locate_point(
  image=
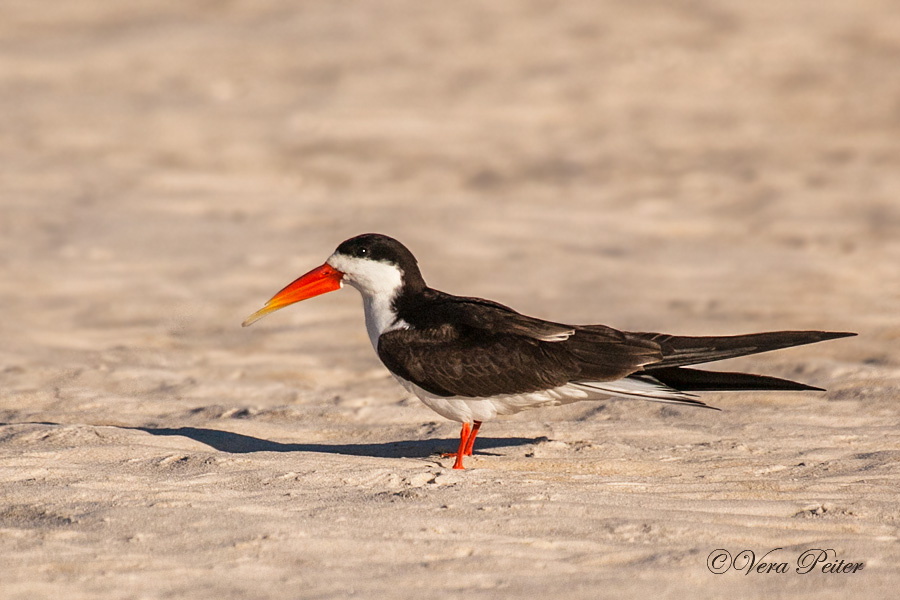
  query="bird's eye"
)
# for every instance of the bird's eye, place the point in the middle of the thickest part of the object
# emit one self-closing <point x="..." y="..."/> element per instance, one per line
<point x="362" y="251"/>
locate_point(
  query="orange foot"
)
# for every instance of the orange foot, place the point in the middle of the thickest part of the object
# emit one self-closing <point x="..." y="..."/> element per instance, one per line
<point x="466" y="441"/>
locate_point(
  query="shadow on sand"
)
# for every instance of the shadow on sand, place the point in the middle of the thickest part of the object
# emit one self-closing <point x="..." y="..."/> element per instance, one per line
<point x="236" y="443"/>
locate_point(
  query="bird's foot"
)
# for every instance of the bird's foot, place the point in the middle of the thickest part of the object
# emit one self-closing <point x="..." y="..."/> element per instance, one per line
<point x="459" y="458"/>
<point x="458" y="464"/>
<point x="466" y="441"/>
<point x="454" y="454"/>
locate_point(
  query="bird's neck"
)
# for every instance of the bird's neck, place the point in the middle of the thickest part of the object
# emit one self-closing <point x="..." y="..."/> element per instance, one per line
<point x="381" y="316"/>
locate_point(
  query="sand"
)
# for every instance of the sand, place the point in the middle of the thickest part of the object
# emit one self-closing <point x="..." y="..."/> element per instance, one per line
<point x="691" y="167"/>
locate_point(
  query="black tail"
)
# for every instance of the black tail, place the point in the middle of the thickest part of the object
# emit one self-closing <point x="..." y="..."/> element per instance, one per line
<point x="680" y="351"/>
<point x="695" y="380"/>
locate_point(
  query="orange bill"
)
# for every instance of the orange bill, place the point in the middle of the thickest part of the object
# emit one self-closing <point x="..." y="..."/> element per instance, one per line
<point x="318" y="281"/>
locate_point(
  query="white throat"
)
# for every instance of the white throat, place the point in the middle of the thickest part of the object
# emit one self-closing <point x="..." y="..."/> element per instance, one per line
<point x="379" y="283"/>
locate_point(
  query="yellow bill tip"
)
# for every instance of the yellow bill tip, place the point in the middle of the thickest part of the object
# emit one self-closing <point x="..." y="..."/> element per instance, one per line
<point x="258" y="315"/>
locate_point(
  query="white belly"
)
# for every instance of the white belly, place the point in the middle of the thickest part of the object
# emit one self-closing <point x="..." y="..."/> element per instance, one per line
<point x="467" y="410"/>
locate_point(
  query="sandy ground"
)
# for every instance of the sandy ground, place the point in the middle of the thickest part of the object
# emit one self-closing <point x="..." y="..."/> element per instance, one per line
<point x="694" y="167"/>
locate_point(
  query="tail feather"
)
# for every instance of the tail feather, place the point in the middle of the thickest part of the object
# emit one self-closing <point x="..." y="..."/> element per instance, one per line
<point x="679" y="351"/>
<point x="695" y="380"/>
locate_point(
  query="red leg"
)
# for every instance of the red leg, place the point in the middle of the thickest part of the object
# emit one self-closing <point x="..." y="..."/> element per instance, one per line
<point x="464" y="435"/>
<point x="471" y="442"/>
<point x="463" y="440"/>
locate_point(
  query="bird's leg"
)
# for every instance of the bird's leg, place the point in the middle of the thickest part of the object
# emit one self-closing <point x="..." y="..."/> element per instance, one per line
<point x="464" y="436"/>
<point x="471" y="442"/>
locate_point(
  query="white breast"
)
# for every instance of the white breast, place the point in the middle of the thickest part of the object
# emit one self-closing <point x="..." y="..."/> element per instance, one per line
<point x="380" y="318"/>
<point x="379" y="283"/>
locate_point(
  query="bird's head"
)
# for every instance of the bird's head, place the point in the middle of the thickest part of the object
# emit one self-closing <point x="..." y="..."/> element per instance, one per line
<point x="375" y="264"/>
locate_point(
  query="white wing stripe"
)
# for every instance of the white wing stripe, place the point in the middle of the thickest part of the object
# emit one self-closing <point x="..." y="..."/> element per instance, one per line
<point x="635" y="388"/>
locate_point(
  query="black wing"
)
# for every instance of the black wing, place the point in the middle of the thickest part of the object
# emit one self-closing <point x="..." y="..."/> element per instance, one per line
<point x="443" y="363"/>
<point x="475" y="348"/>
<point x="471" y="347"/>
<point x="486" y="317"/>
<point x="679" y="351"/>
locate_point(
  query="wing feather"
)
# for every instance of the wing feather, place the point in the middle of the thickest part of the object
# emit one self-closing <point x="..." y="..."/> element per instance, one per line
<point x="679" y="351"/>
<point x="498" y="364"/>
<point x="477" y="348"/>
<point x="493" y="317"/>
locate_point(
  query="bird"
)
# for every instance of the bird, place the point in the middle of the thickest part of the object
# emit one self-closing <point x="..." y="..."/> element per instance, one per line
<point x="472" y="360"/>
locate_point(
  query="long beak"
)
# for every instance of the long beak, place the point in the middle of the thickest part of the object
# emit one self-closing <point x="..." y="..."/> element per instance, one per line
<point x="318" y="281"/>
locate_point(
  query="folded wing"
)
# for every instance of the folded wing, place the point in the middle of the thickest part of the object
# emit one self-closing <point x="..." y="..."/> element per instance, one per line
<point x="471" y="347"/>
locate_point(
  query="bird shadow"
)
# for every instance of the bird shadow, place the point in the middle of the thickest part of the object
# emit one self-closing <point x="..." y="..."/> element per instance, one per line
<point x="238" y="443"/>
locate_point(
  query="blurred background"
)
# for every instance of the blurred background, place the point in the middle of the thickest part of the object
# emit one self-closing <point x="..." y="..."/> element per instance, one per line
<point x="686" y="166"/>
<point x="691" y="166"/>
